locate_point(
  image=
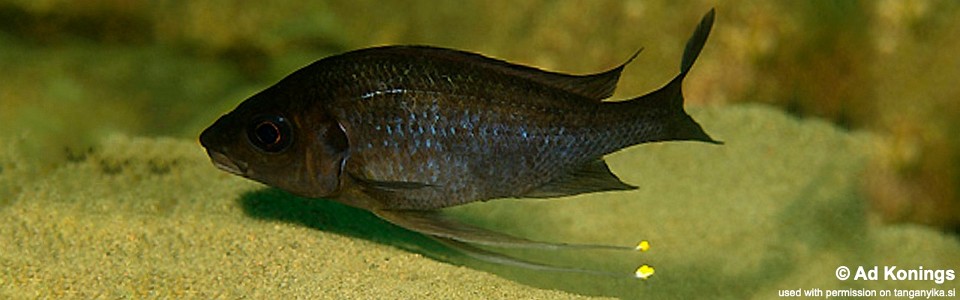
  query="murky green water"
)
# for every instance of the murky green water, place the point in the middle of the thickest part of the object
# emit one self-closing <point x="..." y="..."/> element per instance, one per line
<point x="101" y="103"/>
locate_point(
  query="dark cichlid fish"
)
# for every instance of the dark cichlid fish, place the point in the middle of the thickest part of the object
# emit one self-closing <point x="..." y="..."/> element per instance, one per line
<point x="405" y="130"/>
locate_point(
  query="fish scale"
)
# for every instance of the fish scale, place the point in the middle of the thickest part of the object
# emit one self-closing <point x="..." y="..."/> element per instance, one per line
<point x="461" y="155"/>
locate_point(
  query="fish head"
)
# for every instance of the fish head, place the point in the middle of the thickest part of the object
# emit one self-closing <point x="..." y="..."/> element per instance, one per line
<point x="279" y="138"/>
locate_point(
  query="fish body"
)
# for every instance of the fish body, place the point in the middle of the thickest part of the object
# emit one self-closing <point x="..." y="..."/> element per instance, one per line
<point x="418" y="127"/>
<point x="414" y="129"/>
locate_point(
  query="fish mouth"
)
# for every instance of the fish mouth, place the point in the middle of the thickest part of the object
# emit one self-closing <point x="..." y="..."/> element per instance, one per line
<point x="222" y="162"/>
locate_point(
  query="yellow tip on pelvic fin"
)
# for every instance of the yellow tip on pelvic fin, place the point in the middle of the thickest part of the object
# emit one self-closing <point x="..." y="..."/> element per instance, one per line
<point x="644" y="272"/>
<point x="643" y="246"/>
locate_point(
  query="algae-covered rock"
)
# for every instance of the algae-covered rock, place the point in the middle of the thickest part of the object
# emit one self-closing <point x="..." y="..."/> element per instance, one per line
<point x="776" y="207"/>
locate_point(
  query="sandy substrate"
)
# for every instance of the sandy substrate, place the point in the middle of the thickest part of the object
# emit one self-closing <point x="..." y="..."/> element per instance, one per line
<point x="777" y="207"/>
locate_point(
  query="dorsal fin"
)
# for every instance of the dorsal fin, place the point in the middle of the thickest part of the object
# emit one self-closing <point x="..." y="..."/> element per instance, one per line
<point x="591" y="177"/>
<point x="597" y="86"/>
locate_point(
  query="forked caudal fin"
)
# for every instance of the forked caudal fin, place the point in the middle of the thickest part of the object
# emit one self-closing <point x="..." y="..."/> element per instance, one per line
<point x="696" y="42"/>
<point x="666" y="103"/>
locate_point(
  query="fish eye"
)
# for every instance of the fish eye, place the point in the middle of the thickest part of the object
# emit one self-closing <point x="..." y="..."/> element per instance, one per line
<point x="270" y="133"/>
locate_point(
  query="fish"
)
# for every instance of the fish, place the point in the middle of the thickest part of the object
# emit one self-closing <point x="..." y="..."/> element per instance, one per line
<point x="405" y="131"/>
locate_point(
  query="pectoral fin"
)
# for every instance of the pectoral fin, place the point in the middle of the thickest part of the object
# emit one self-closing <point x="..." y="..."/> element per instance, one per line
<point x="592" y="177"/>
<point x="389" y="186"/>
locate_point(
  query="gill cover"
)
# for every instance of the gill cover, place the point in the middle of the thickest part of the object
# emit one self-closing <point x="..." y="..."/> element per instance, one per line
<point x="325" y="157"/>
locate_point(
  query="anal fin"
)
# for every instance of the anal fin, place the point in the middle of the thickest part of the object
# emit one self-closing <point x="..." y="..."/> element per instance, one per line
<point x="591" y="177"/>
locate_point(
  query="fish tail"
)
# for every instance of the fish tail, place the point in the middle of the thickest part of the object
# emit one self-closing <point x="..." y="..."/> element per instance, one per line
<point x="696" y="42"/>
<point x="663" y="108"/>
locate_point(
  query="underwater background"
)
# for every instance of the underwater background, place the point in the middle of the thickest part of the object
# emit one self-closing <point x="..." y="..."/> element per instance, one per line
<point x="839" y="117"/>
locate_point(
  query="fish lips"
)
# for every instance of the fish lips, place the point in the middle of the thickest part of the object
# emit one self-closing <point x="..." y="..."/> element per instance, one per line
<point x="212" y="140"/>
<point x="223" y="162"/>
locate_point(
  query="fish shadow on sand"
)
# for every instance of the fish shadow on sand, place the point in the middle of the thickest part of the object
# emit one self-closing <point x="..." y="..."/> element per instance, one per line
<point x="329" y="216"/>
<point x="272" y="204"/>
